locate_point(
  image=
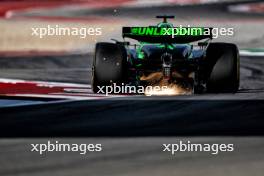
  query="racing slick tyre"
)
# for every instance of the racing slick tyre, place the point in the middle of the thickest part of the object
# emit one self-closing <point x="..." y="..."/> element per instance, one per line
<point x="109" y="65"/>
<point x="225" y="68"/>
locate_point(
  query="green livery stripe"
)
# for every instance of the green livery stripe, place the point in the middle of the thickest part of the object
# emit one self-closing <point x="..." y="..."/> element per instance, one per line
<point x="177" y="31"/>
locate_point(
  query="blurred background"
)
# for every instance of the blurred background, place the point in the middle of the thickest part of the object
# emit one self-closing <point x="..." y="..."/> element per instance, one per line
<point x="18" y="17"/>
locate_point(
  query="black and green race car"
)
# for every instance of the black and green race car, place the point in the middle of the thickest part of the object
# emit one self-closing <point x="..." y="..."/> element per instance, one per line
<point x="183" y="55"/>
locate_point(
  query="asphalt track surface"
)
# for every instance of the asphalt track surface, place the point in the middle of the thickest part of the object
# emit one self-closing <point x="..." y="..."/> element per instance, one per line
<point x="209" y="114"/>
<point x="236" y="115"/>
<point x="212" y="115"/>
<point x="133" y="156"/>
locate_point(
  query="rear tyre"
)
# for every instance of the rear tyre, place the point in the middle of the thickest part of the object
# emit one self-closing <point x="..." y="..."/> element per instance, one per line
<point x="225" y="70"/>
<point x="109" y="65"/>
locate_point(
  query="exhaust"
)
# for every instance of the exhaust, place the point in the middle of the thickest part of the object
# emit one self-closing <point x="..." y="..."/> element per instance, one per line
<point x="166" y="65"/>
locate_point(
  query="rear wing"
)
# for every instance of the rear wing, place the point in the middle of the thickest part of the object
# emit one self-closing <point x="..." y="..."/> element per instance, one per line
<point x="153" y="34"/>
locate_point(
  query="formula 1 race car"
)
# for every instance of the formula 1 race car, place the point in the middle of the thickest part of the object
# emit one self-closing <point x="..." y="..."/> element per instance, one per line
<point x="183" y="55"/>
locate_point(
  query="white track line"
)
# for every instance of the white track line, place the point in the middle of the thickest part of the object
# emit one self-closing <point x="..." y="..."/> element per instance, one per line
<point x="45" y="83"/>
<point x="54" y="96"/>
<point x="250" y="53"/>
<point x="71" y="90"/>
